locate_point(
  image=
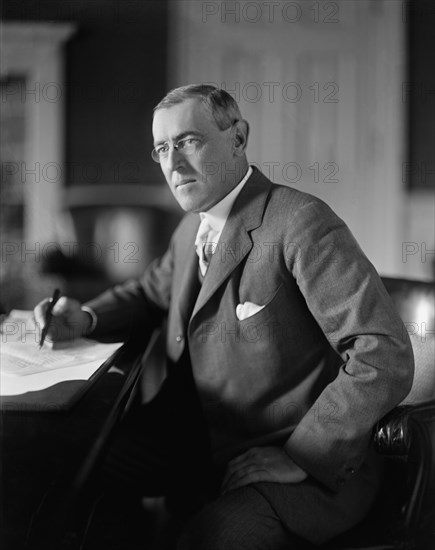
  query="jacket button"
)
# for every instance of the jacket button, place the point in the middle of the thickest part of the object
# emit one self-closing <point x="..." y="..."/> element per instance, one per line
<point x="350" y="471"/>
<point x="179" y="338"/>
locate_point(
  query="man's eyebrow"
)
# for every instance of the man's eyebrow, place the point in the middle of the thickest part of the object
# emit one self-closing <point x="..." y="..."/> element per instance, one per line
<point x="181" y="136"/>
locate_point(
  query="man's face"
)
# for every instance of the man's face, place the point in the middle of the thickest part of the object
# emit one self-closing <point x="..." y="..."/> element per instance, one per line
<point x="200" y="180"/>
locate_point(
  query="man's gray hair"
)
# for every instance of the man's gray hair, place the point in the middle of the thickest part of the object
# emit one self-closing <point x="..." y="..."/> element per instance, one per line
<point x="222" y="106"/>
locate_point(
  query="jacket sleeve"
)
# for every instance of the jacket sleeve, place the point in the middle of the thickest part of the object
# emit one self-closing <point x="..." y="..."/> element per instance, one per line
<point x="348" y="300"/>
<point x="138" y="302"/>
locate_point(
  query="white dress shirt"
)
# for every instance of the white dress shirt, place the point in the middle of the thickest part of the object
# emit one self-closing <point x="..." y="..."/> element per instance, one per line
<point x="218" y="214"/>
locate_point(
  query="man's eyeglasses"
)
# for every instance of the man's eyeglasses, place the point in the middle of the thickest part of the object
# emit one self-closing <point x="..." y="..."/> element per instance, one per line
<point x="186" y="146"/>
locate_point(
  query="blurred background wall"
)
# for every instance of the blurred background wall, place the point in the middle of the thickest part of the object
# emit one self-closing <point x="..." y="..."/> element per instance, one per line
<point x="326" y="87"/>
<point x="339" y="96"/>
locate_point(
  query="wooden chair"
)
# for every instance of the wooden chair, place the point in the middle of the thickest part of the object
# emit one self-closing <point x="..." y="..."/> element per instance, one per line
<point x="403" y="517"/>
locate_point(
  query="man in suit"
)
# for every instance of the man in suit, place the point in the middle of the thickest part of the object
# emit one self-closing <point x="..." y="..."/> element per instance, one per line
<point x="283" y="347"/>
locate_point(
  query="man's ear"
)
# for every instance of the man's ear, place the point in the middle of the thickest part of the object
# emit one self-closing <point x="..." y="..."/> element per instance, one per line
<point x="241" y="135"/>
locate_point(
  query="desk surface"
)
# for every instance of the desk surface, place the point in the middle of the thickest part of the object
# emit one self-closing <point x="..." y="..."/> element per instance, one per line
<point x="48" y="458"/>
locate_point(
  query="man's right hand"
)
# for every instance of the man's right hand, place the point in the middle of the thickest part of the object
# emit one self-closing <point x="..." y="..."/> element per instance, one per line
<point x="69" y="321"/>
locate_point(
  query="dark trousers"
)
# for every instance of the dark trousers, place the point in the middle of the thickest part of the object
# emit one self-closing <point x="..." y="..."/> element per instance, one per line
<point x="162" y="448"/>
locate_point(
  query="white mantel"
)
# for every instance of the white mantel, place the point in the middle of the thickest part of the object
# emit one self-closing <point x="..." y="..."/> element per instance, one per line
<point x="34" y="51"/>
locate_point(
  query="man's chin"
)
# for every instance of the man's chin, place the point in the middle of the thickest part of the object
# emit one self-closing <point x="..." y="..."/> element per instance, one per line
<point x="187" y="204"/>
<point x="186" y="199"/>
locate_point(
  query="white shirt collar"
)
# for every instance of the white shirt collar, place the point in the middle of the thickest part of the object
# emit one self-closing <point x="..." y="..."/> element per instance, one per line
<point x="217" y="215"/>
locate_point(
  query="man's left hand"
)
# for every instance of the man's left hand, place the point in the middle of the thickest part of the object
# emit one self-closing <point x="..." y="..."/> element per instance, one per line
<point x="261" y="464"/>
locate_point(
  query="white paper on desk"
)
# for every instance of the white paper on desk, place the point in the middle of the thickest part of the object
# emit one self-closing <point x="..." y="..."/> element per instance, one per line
<point x="24" y="367"/>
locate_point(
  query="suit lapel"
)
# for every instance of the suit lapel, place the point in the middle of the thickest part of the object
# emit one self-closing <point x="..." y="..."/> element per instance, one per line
<point x="235" y="241"/>
<point x="188" y="287"/>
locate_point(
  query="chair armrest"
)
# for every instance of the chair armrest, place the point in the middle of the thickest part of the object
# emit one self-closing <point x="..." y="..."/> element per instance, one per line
<point x="408" y="432"/>
<point x="392" y="435"/>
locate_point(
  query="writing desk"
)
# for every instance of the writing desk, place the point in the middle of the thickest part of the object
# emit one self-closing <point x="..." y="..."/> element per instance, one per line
<point x="49" y="457"/>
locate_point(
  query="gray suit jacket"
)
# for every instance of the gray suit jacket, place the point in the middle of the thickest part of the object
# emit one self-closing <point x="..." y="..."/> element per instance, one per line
<point x="325" y="358"/>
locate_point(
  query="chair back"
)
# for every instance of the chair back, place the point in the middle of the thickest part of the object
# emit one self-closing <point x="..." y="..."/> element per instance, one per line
<point x="415" y="302"/>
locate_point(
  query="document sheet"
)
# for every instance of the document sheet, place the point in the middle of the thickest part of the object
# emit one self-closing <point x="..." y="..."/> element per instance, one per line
<point x="25" y="368"/>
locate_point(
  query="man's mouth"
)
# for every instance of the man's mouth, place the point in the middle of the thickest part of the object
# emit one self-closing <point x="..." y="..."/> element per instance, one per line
<point x="184" y="182"/>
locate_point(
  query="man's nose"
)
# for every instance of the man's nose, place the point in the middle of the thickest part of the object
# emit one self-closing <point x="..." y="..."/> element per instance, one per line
<point x="175" y="159"/>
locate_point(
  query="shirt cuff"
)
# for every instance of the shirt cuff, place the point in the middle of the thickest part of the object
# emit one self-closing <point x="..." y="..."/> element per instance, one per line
<point x="94" y="318"/>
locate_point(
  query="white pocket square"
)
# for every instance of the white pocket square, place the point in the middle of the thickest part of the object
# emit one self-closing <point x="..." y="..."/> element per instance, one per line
<point x="248" y="309"/>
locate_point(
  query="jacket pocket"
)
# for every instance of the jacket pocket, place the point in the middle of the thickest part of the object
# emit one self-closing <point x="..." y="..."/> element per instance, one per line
<point x="268" y="309"/>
